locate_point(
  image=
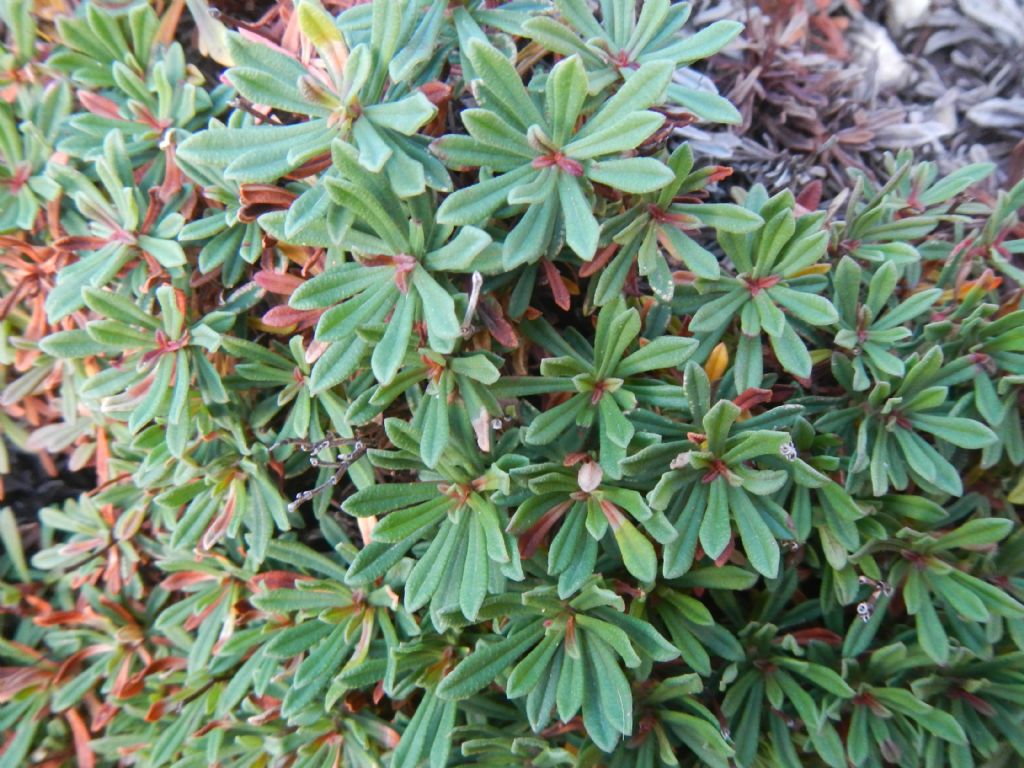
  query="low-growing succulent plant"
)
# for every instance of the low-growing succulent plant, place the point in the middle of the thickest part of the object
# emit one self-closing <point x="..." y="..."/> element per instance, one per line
<point x="443" y="407"/>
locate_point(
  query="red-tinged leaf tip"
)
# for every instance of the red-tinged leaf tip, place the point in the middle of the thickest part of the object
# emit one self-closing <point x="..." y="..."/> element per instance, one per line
<point x="100" y="105"/>
<point x="84" y="754"/>
<point x="723" y="558"/>
<point x="283" y="316"/>
<point x="560" y="161"/>
<point x="612" y="514"/>
<point x="752" y="397"/>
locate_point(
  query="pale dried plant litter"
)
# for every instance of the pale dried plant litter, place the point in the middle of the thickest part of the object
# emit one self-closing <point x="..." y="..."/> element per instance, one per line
<point x="826" y="85"/>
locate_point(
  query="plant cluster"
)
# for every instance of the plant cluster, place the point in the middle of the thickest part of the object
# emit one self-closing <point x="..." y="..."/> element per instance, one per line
<point x="445" y="409"/>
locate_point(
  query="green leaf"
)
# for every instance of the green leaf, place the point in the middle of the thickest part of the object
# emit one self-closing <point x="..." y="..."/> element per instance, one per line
<point x="74" y="344"/>
<point x="979" y="532"/>
<point x="930" y="634"/>
<point x="705" y="104"/>
<point x="754" y="443"/>
<point x="527" y="673"/>
<point x="718" y="423"/>
<point x="378" y="499"/>
<point x="726" y="577"/>
<point x="644" y="87"/>
<point x="821" y="676"/>
<point x="715" y="530"/>
<point x="291" y="600"/>
<point x="390" y="352"/>
<point x="637" y="552"/>
<point x="335" y="365"/>
<point x="473" y="589"/>
<point x="581" y="228"/>
<point x="791" y="352"/>
<point x="436" y="428"/>
<point x="710" y="40"/>
<point x="642" y="633"/>
<point x="438" y="310"/>
<point x="404" y="523"/>
<point x="813" y="310"/>
<point x="427" y="737"/>
<point x="503" y="83"/>
<point x="716" y="314"/>
<point x="564" y="94"/>
<point x="167" y="252"/>
<point x="406" y="115"/>
<point x="615" y="139"/>
<point x="458" y="254"/>
<point x="459" y="151"/>
<point x="965" y="433"/>
<point x="637" y="175"/>
<point x="724" y="217"/>
<point x="615" y="427"/>
<point x="300" y="556"/>
<point x="19" y="743"/>
<point x="335" y="285"/>
<point x="265" y="88"/>
<point x="117" y="335"/>
<point x="995" y="599"/>
<point x="607" y="700"/>
<point x="551" y="423"/>
<point x="612" y="635"/>
<point x="476" y="367"/>
<point x="697" y="258"/>
<point x="955" y="183"/>
<point x="116" y="307"/>
<point x="759" y="544"/>
<point x="170" y="739"/>
<point x="487" y="661"/>
<point x="426" y="575"/>
<point x="476" y="203"/>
